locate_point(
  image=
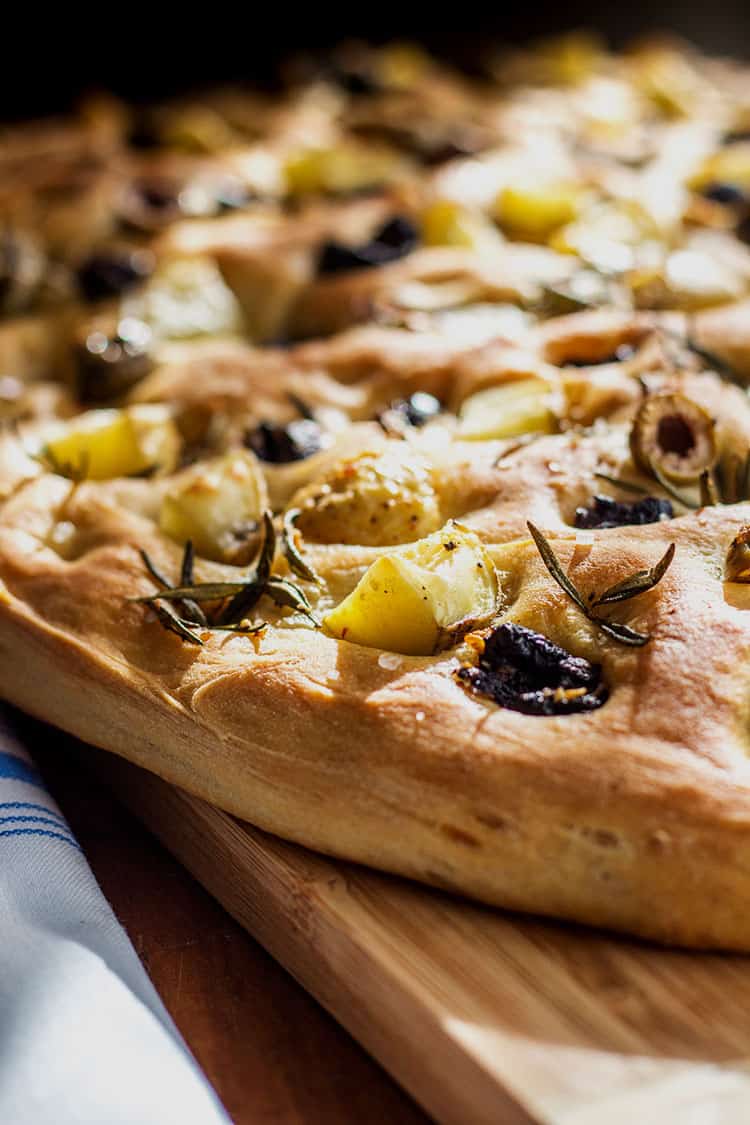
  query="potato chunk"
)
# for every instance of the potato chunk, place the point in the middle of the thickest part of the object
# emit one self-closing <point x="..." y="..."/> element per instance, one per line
<point x="216" y="504"/>
<point x="446" y="223"/>
<point x="534" y="211"/>
<point x="341" y="169"/>
<point x="102" y="444"/>
<point x="411" y="600"/>
<point x="374" y="499"/>
<point x="522" y="407"/>
<point x="187" y="298"/>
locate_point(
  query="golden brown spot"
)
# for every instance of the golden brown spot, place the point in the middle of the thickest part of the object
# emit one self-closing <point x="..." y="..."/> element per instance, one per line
<point x="491" y="820"/>
<point x="459" y="836"/>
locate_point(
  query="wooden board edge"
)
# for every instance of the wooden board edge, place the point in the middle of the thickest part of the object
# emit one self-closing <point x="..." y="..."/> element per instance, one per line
<point x="284" y="905"/>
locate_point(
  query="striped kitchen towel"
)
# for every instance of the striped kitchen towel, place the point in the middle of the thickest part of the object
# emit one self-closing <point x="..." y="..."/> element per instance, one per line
<point x="84" y="1038"/>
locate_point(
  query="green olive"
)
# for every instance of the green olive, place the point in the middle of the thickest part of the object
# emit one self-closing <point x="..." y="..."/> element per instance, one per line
<point x="673" y="435"/>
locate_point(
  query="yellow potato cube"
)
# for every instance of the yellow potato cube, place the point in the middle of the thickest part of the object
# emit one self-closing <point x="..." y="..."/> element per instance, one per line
<point x="446" y="223"/>
<point x="572" y="57"/>
<point x="522" y="407"/>
<point x="103" y="444"/>
<point x="411" y="600"/>
<point x="729" y="165"/>
<point x="186" y="298"/>
<point x="216" y="504"/>
<point x="605" y="236"/>
<point x="402" y="65"/>
<point x="696" y="280"/>
<point x="535" y="210"/>
<point x="667" y="78"/>
<point x="342" y="169"/>
<point x="377" y="498"/>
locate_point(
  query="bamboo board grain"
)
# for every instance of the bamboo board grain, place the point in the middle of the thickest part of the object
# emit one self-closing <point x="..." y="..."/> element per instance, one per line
<point x="486" y="1018"/>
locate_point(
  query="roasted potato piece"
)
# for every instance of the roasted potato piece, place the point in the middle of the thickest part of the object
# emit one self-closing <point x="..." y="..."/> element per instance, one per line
<point x="374" y="499"/>
<point x="103" y="444"/>
<point x="534" y="211"/>
<point x="341" y="169"/>
<point x="521" y="407"/>
<point x="217" y="504"/>
<point x="411" y="600"/>
<point x="447" y="223"/>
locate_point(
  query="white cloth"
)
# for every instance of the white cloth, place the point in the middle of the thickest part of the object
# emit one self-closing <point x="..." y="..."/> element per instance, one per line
<point x="84" y="1038"/>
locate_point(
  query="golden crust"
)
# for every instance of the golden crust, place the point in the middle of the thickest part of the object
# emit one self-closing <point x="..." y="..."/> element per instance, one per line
<point x="634" y="816"/>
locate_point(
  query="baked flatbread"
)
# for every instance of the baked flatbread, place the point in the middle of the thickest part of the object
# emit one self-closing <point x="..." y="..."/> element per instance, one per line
<point x="376" y="466"/>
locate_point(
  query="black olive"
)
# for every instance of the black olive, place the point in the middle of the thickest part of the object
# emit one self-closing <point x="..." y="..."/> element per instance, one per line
<point x="109" y="365"/>
<point x="395" y="239"/>
<point x="280" y="444"/>
<point x="112" y="272"/>
<point x="417" y="410"/>
<point x="524" y="671"/>
<point x="728" y="194"/>
<point x="605" y="512"/>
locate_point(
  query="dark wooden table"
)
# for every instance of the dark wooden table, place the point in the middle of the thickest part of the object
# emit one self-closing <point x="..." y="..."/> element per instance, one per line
<point x="272" y="1053"/>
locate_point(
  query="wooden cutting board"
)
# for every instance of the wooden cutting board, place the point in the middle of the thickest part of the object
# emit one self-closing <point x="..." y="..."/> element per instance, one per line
<point x="486" y="1018"/>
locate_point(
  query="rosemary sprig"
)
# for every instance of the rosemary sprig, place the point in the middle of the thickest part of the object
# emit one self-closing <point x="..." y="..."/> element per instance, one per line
<point x="727" y="482"/>
<point x="175" y="624"/>
<point x="661" y="480"/>
<point x="712" y="361"/>
<point x="191" y="610"/>
<point x="291" y="551"/>
<point x="630" y="587"/>
<point x="285" y="593"/>
<point x="636" y="583"/>
<point x="232" y="600"/>
<point x="282" y="592"/>
<point x="202" y="592"/>
<point x="671" y="491"/>
<point x="550" y="560"/>
<point x="248" y="597"/>
<point x="724" y="370"/>
<point x="625" y="485"/>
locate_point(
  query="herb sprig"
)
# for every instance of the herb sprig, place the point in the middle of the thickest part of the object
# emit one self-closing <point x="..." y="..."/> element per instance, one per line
<point x="180" y="608"/>
<point x="290" y="548"/>
<point x="728" y="482"/>
<point x="629" y="587"/>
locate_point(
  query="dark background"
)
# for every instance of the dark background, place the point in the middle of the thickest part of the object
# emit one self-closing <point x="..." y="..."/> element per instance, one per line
<point x="140" y="51"/>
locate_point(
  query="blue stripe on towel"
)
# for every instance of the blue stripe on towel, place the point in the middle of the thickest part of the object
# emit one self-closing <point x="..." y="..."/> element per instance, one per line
<point x="16" y="769"/>
<point x="33" y="819"/>
<point x="37" y="808"/>
<point x="40" y="832"/>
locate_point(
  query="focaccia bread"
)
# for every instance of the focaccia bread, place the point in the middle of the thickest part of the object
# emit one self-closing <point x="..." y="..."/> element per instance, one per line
<point x="375" y="464"/>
